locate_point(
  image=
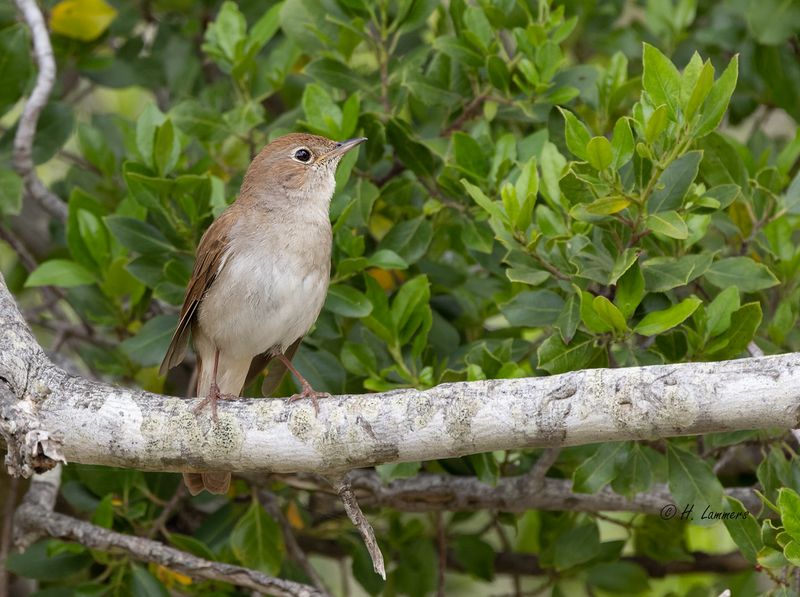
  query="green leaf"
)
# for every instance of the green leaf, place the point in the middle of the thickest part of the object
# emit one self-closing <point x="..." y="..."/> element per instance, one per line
<point x="660" y="321"/>
<point x="630" y="291"/>
<point x="10" y="191"/>
<point x="744" y="325"/>
<point x="192" y="545"/>
<point x="701" y="89"/>
<point x="590" y="319"/>
<point x="37" y="563"/>
<point x="719" y="311"/>
<point x="166" y="148"/>
<point x="475" y="556"/>
<point x="609" y="314"/>
<point x="661" y="80"/>
<point x="137" y="235"/>
<point x="622" y="143"/>
<point x="527" y="275"/>
<point x="552" y="165"/>
<point x="577" y="135"/>
<point x="656" y="124"/>
<point x="263" y="30"/>
<point x="146" y="126"/>
<point x="148" y="347"/>
<point x="674" y="183"/>
<point x="789" y="504"/>
<point x="498" y="73"/>
<point x="60" y="272"/>
<point x="489" y="206"/>
<point x="347" y="301"/>
<point x="742" y="272"/>
<point x="576" y="546"/>
<point x="399" y="470"/>
<point x="225" y="36"/>
<point x="15" y="65"/>
<point x="485" y="467"/>
<point x="469" y="156"/>
<point x="533" y="308"/>
<point x="557" y="357"/>
<point x="419" y="159"/>
<point x="619" y="578"/>
<point x="412" y="295"/>
<point x="322" y="113"/>
<point x="408" y="239"/>
<point x="387" y="259"/>
<point x="744" y="530"/>
<point x="664" y="273"/>
<point x="668" y="223"/>
<point x="718" y="98"/>
<point x="569" y="318"/>
<point x="144" y="584"/>
<point x="634" y="472"/>
<point x="599" y="153"/>
<point x="692" y="482"/>
<point x="257" y="541"/>
<point x="600" y="468"/>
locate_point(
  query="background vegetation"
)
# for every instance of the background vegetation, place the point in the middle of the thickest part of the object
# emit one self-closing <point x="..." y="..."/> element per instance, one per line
<point x="544" y="189"/>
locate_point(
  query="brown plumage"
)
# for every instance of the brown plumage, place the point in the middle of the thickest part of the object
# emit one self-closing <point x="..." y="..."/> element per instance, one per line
<point x="260" y="277"/>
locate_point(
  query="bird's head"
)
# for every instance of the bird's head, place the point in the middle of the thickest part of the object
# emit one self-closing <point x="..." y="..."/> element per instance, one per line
<point x="298" y="166"/>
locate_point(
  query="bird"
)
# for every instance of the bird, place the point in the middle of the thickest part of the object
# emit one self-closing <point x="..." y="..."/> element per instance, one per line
<point x="260" y="278"/>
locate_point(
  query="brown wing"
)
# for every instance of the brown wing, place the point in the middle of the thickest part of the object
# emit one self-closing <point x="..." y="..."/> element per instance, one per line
<point x="276" y="368"/>
<point x="206" y="267"/>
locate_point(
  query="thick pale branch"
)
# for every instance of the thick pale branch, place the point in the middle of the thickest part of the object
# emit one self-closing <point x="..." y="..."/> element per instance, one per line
<point x="98" y="423"/>
<point x="26" y="128"/>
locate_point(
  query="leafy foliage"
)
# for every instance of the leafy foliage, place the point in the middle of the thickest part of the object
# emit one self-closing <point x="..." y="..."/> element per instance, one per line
<point x="545" y="189"/>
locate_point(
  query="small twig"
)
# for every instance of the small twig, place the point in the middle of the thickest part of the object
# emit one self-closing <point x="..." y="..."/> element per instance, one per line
<point x="169" y="509"/>
<point x="26" y="129"/>
<point x="35" y="518"/>
<point x="361" y="523"/>
<point x="539" y="470"/>
<point x="270" y="503"/>
<point x="469" y="111"/>
<point x="5" y="534"/>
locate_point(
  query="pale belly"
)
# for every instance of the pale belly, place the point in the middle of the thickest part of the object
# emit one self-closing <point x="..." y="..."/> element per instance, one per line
<point x="260" y="304"/>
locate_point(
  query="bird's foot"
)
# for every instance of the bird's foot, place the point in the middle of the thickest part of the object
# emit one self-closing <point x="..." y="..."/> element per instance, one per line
<point x="213" y="396"/>
<point x="309" y="392"/>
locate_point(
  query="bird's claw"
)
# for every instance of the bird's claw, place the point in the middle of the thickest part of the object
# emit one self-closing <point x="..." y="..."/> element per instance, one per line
<point x="213" y="396"/>
<point x="309" y="392"/>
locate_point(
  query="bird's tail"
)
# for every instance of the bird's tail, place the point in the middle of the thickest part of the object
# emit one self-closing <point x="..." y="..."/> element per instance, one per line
<point x="230" y="379"/>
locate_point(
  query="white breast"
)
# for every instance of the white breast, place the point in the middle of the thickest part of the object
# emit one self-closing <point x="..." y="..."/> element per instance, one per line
<point x="266" y="294"/>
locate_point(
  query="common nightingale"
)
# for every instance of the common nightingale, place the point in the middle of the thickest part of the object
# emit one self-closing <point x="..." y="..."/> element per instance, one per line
<point x="260" y="277"/>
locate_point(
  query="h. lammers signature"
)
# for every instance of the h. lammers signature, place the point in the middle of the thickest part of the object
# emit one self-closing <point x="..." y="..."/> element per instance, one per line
<point x="669" y="512"/>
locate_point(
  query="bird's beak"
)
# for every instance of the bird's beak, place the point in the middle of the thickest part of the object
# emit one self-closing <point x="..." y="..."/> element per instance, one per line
<point x="342" y="147"/>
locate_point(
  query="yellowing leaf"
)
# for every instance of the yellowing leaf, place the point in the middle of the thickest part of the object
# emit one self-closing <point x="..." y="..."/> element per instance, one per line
<point x="170" y="577"/>
<point x="85" y="20"/>
<point x="608" y="205"/>
<point x="294" y="517"/>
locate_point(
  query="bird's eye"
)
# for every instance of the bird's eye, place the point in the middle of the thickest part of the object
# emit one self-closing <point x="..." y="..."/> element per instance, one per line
<point x="302" y="155"/>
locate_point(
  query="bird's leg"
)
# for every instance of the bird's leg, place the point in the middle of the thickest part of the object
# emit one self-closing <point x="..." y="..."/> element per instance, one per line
<point x="213" y="392"/>
<point x="307" y="391"/>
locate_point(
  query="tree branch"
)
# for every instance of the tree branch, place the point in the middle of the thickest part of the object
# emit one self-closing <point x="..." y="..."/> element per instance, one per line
<point x="96" y="423"/>
<point x="35" y="517"/>
<point x="432" y="492"/>
<point x="26" y="128"/>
